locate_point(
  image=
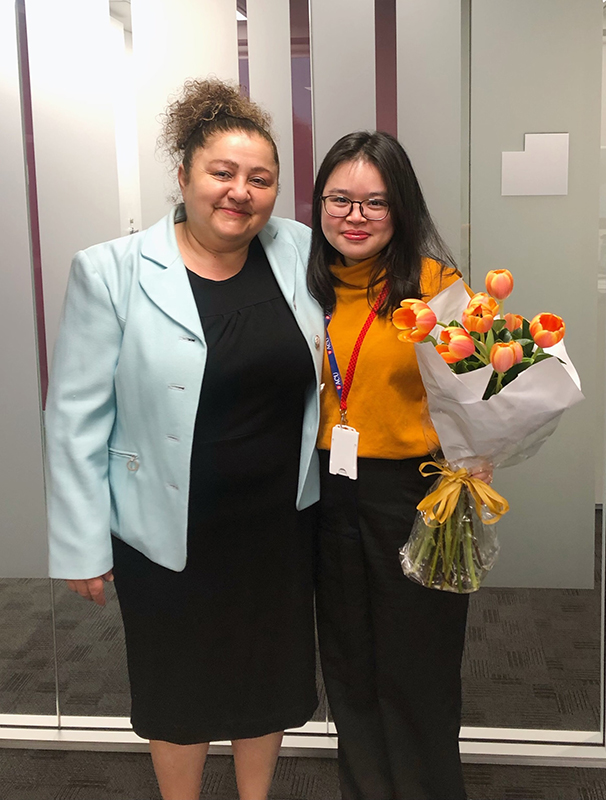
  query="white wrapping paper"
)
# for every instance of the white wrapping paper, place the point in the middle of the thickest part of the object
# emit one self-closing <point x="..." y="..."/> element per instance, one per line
<point x="511" y="425"/>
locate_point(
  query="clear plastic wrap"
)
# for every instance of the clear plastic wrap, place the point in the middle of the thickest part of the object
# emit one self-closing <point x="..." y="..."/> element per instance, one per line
<point x="454" y="555"/>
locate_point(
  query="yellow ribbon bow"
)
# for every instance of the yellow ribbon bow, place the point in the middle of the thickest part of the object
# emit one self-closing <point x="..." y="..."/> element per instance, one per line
<point x="441" y="503"/>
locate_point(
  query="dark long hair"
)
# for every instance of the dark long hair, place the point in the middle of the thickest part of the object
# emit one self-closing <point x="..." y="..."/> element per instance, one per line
<point x="415" y="236"/>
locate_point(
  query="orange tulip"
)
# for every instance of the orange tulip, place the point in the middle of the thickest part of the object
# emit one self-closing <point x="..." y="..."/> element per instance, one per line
<point x="458" y="344"/>
<point x="503" y="355"/>
<point x="480" y="313"/>
<point x="499" y="283"/>
<point x="547" y="329"/>
<point x="415" y="319"/>
<point x="513" y="322"/>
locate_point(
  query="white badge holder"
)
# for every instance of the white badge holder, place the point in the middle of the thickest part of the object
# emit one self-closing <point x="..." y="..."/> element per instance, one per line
<point x="344" y="452"/>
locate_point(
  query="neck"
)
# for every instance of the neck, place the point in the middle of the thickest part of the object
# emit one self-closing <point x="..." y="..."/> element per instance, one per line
<point x="215" y="263"/>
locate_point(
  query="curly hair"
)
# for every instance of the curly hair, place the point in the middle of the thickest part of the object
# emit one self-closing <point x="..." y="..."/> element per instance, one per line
<point x="204" y="108"/>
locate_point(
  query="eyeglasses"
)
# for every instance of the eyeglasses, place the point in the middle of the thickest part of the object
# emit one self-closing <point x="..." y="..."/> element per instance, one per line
<point x="374" y="208"/>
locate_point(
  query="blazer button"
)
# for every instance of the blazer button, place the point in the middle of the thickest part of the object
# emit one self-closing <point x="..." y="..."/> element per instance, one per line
<point x="317" y="341"/>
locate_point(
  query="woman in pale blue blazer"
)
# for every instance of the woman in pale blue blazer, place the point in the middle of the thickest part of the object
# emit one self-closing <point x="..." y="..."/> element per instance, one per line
<point x="181" y="425"/>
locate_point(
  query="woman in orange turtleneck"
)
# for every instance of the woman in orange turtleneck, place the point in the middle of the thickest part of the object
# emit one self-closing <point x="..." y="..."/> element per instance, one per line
<point x="391" y="650"/>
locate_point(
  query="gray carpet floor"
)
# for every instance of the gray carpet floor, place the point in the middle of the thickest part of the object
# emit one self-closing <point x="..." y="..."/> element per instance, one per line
<point x="53" y="775"/>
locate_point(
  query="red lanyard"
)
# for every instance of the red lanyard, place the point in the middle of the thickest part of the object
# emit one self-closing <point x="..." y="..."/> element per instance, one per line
<point x="343" y="387"/>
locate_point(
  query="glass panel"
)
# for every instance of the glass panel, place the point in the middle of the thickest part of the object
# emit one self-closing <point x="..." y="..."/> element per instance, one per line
<point x="521" y="83"/>
<point x="532" y="657"/>
<point x="343" y="71"/>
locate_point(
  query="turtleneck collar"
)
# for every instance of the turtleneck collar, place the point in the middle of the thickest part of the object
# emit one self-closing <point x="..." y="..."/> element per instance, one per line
<point x="356" y="275"/>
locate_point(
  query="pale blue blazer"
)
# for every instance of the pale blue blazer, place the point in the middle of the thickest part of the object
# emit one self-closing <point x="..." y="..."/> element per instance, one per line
<point x="124" y="391"/>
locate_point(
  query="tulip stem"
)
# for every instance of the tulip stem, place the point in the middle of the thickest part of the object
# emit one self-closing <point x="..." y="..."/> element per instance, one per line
<point x="482" y="351"/>
<point x="498" y="387"/>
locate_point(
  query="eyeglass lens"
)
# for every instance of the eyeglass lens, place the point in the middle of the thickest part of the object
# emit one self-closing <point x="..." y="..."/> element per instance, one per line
<point x="339" y="206"/>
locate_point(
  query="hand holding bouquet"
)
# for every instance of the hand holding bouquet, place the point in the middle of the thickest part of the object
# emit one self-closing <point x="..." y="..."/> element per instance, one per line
<point x="488" y="408"/>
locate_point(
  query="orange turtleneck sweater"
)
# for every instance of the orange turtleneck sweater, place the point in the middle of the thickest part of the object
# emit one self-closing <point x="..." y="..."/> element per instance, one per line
<point x="387" y="393"/>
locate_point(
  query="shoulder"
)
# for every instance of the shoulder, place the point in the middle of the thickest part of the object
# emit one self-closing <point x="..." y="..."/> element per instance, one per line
<point x="119" y="257"/>
<point x="102" y="256"/>
<point x="289" y="229"/>
<point x="435" y="277"/>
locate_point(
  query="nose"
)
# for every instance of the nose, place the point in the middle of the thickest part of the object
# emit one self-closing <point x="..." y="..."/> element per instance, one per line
<point x="355" y="215"/>
<point x="238" y="191"/>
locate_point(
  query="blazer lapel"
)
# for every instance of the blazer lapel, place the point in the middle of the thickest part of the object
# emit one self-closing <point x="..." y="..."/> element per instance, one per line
<point x="163" y="276"/>
<point x="282" y="257"/>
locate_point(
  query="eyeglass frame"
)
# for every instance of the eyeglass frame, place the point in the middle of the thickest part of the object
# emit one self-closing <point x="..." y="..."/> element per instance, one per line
<point x="325" y="197"/>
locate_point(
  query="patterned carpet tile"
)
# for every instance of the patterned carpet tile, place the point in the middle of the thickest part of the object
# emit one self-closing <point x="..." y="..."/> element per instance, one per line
<point x="55" y="775"/>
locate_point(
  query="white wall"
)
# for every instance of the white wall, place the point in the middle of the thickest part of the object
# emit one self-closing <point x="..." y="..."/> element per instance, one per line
<point x="121" y="74"/>
<point x="174" y="40"/>
<point x="270" y="84"/>
<point x="74" y="137"/>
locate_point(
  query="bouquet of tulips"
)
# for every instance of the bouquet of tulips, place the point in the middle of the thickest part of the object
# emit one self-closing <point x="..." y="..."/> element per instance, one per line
<point x="497" y="385"/>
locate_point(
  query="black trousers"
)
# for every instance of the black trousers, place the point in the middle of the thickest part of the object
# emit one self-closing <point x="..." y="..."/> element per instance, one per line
<point x="391" y="650"/>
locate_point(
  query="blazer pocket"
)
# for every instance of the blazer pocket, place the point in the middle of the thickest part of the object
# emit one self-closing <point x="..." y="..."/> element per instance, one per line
<point x="131" y="459"/>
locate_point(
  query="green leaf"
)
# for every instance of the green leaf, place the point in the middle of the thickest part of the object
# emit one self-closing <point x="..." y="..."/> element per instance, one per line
<point x="525" y="341"/>
<point x="454" y="324"/>
<point x="492" y="385"/>
<point x="498" y="325"/>
<point x="489" y="340"/>
<point x="429" y="338"/>
<point x="459" y="367"/>
<point x="514" y="371"/>
<point x="506" y="335"/>
<point x="542" y="357"/>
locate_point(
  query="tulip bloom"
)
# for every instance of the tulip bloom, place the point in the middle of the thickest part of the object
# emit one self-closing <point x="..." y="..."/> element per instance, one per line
<point x="547" y="329"/>
<point x="503" y="355"/>
<point x="499" y="283"/>
<point x="458" y="344"/>
<point x="415" y="319"/>
<point x="513" y="322"/>
<point x="480" y="313"/>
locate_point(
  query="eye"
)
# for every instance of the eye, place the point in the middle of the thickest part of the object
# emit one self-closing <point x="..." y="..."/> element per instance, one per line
<point x="339" y="200"/>
<point x="259" y="181"/>
<point x="376" y="203"/>
<point x="223" y="175"/>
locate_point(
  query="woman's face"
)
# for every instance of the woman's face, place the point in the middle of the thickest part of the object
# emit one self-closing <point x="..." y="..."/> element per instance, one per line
<point x="354" y="236"/>
<point x="231" y="189"/>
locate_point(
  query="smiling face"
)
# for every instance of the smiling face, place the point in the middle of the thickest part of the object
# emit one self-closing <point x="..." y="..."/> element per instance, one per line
<point x="231" y="189"/>
<point x="355" y="237"/>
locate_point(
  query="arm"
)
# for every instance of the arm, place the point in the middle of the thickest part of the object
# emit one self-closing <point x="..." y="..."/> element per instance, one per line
<point x="79" y="418"/>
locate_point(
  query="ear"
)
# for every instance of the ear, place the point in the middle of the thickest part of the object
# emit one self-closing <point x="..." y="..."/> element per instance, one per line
<point x="181" y="176"/>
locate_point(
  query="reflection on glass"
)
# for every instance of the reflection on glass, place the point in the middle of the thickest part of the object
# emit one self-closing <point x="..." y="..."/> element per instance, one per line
<point x="27" y="675"/>
<point x="532" y="657"/>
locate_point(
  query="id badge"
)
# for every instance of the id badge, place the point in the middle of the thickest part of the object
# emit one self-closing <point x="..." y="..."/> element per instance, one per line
<point x="344" y="452"/>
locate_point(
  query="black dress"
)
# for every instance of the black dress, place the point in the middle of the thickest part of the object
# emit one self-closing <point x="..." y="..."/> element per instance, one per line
<point x="225" y="649"/>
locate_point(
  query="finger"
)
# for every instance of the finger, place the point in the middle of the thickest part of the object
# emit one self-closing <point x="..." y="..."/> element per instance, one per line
<point x="96" y="592"/>
<point x="109" y="576"/>
<point x="82" y="589"/>
<point x="71" y="585"/>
